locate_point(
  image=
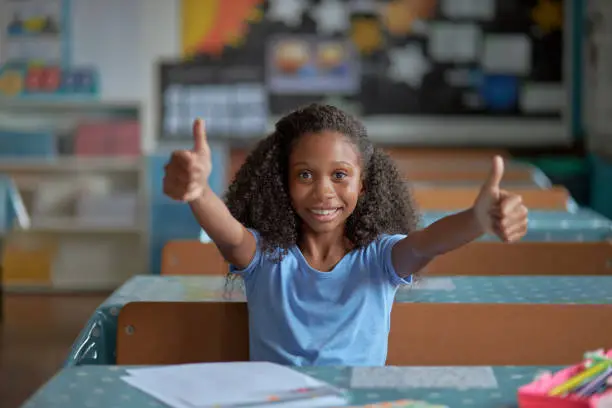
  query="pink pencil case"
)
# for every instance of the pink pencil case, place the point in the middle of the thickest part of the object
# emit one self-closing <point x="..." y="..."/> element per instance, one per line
<point x="535" y="394"/>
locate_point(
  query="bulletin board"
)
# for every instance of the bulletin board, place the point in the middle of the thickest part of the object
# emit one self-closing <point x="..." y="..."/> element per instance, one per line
<point x="425" y="58"/>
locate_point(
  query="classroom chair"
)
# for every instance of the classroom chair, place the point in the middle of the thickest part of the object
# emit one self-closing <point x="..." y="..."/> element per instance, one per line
<point x="421" y="333"/>
<point x="495" y="334"/>
<point x="458" y="198"/>
<point x="424" y="153"/>
<point x="478" y="258"/>
<point x="182" y="332"/>
<point x="467" y="171"/>
<point x="458" y="175"/>
<point x="191" y="257"/>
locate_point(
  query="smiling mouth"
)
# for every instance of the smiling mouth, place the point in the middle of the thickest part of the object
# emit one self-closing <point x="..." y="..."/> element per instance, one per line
<point x="326" y="214"/>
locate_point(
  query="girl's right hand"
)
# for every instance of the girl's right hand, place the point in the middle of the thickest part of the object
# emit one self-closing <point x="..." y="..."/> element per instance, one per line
<point x="187" y="172"/>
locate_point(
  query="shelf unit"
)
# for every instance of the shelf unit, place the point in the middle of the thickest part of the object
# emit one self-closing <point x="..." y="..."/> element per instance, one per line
<point x="88" y="213"/>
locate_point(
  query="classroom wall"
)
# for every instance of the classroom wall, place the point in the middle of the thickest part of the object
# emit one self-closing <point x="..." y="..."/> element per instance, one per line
<point x="160" y="39"/>
<point x="136" y="34"/>
<point x="141" y="32"/>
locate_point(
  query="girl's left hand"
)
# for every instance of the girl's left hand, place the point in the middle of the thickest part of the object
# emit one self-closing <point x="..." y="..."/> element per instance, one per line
<point x="498" y="211"/>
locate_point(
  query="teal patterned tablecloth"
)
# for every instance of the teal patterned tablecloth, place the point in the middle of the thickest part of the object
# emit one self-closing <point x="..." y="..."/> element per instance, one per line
<point x="557" y="226"/>
<point x="96" y="343"/>
<point x="458" y="387"/>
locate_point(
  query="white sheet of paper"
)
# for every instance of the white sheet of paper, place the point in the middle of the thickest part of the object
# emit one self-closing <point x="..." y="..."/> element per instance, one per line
<point x="424" y="377"/>
<point x="152" y="387"/>
<point x="408" y="64"/>
<point x="16" y="201"/>
<point x="210" y="384"/>
<point x="450" y="42"/>
<point x="543" y="98"/>
<point x="605" y="401"/>
<point x="364" y="6"/>
<point x="507" y="54"/>
<point x="331" y="16"/>
<point x="173" y="95"/>
<point x="288" y="12"/>
<point x="476" y="9"/>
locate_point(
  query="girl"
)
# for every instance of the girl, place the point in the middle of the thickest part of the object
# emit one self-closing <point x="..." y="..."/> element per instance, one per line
<point x="321" y="227"/>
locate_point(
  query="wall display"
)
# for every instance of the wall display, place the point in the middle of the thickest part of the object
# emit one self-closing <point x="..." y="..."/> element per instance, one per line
<point x="36" y="52"/>
<point x="35" y="31"/>
<point x="231" y="99"/>
<point x="312" y="65"/>
<point x="47" y="81"/>
<point x="411" y="57"/>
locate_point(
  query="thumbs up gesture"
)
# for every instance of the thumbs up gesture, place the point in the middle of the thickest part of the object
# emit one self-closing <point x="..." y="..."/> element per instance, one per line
<point x="500" y="212"/>
<point x="187" y="172"/>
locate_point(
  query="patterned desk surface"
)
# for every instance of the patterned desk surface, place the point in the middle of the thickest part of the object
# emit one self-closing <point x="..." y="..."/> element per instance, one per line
<point x="474" y="387"/>
<point x="97" y="341"/>
<point x="582" y="225"/>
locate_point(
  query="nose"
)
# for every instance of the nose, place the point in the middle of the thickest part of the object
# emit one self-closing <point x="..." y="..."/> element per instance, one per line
<point x="324" y="189"/>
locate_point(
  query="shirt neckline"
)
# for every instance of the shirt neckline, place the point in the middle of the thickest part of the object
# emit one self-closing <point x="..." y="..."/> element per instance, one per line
<point x="335" y="271"/>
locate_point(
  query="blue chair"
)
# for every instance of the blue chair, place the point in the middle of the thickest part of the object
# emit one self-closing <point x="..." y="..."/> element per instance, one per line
<point x="171" y="220"/>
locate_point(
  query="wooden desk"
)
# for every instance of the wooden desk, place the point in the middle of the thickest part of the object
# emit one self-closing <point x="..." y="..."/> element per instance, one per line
<point x="422" y="334"/>
<point x="459" y="198"/>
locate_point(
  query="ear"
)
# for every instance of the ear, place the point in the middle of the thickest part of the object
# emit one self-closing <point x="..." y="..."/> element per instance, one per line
<point x="362" y="188"/>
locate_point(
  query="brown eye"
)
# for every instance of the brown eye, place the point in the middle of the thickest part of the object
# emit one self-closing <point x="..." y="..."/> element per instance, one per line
<point x="305" y="175"/>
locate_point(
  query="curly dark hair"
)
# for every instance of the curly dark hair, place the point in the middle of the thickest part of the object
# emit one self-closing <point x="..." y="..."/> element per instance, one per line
<point x="259" y="197"/>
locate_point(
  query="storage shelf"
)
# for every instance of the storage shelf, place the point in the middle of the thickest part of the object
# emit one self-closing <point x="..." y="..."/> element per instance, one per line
<point x="68" y="225"/>
<point x="82" y="245"/>
<point x="82" y="105"/>
<point x="70" y="163"/>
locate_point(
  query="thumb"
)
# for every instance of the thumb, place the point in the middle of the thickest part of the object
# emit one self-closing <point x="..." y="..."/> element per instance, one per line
<point x="496" y="174"/>
<point x="199" y="135"/>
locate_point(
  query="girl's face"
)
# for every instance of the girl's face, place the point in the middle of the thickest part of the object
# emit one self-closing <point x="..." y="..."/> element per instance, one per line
<point x="324" y="180"/>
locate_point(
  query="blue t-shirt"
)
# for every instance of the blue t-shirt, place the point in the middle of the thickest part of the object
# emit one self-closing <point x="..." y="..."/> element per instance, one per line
<point x="301" y="316"/>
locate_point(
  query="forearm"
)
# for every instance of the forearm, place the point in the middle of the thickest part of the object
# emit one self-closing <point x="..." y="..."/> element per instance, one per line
<point x="236" y="244"/>
<point x="414" y="252"/>
<point x="446" y="234"/>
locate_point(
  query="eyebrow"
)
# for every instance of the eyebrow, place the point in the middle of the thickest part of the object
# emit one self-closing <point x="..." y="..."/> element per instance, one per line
<point x="345" y="163"/>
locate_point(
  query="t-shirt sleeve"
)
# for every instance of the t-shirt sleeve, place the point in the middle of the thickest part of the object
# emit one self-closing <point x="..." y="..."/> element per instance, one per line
<point x="255" y="262"/>
<point x="385" y="245"/>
